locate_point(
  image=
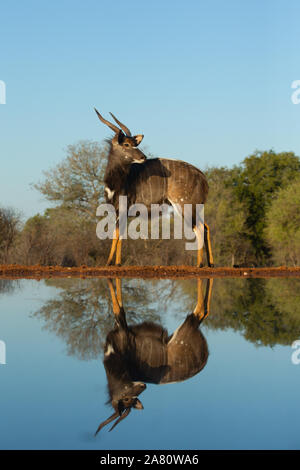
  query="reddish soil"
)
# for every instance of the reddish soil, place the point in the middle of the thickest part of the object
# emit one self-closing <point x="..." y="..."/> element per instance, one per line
<point x="15" y="271"/>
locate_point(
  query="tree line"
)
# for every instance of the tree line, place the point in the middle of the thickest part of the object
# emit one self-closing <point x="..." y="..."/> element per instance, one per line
<point x="252" y="211"/>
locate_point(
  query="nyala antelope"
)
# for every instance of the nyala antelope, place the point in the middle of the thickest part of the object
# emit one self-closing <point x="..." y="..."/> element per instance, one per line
<point x="143" y="353"/>
<point x="154" y="181"/>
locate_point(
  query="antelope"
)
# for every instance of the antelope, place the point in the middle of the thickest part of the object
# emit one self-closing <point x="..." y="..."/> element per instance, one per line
<point x="151" y="181"/>
<point x="145" y="352"/>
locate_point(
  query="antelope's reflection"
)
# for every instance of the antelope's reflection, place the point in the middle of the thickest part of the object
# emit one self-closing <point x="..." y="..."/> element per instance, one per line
<point x="143" y="353"/>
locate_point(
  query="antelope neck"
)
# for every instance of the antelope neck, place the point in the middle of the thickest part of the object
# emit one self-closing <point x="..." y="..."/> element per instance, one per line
<point x="116" y="173"/>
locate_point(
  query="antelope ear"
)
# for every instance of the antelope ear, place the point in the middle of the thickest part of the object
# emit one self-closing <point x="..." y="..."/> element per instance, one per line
<point x="138" y="405"/>
<point x="121" y="137"/>
<point x="138" y="138"/>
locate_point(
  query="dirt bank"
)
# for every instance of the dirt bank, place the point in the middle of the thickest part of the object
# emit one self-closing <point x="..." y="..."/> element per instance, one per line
<point x="15" y="271"/>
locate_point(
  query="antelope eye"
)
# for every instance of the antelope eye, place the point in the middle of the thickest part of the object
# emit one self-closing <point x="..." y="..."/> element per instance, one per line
<point x="126" y="145"/>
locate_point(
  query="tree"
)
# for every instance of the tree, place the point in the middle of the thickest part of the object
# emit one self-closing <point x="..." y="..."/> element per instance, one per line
<point x="226" y="217"/>
<point x="36" y="244"/>
<point x="236" y="211"/>
<point x="77" y="182"/>
<point x="60" y="237"/>
<point x="9" y="227"/>
<point x="256" y="183"/>
<point x="283" y="225"/>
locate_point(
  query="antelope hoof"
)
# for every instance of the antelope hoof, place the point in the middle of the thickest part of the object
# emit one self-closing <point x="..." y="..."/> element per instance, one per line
<point x="200" y="265"/>
<point x="109" y="263"/>
<point x="211" y="265"/>
<point x="118" y="264"/>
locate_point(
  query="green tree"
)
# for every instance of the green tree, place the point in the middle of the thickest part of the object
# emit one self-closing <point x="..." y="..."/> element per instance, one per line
<point x="283" y="225"/>
<point x="226" y="217"/>
<point x="256" y="183"/>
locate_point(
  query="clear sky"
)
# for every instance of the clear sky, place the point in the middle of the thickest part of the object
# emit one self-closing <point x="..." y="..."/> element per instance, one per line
<point x="206" y="82"/>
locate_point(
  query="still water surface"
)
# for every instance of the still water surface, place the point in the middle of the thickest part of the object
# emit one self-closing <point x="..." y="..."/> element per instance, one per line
<point x="54" y="384"/>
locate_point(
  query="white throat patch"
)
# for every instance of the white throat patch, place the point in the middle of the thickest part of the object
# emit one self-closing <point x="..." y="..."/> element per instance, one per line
<point x="109" y="350"/>
<point x="110" y="192"/>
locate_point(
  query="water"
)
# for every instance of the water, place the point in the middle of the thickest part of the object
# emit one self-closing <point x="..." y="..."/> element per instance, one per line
<point x="54" y="385"/>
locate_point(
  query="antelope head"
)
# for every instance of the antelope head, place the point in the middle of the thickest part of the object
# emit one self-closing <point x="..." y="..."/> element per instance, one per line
<point x="123" y="403"/>
<point x="123" y="143"/>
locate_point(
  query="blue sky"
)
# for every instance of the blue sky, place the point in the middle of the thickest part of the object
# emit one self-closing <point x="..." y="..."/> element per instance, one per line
<point x="206" y="82"/>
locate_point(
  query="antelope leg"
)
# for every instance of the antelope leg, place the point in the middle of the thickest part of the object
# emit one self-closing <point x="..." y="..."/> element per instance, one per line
<point x="119" y="292"/>
<point x="119" y="252"/>
<point x="207" y="299"/>
<point x="210" y="260"/>
<point x="202" y="308"/>
<point x="198" y="233"/>
<point x="199" y="309"/>
<point x="115" y="303"/>
<point x="113" y="245"/>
